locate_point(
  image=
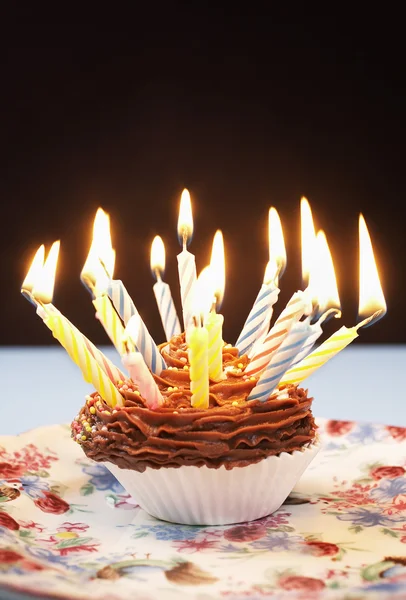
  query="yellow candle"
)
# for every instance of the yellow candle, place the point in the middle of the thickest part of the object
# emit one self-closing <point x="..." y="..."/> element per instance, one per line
<point x="110" y="320"/>
<point x="199" y="366"/>
<point x="337" y="342"/>
<point x="76" y="348"/>
<point x="214" y="326"/>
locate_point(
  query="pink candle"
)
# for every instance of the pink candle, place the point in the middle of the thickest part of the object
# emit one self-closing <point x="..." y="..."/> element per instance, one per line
<point x="141" y="376"/>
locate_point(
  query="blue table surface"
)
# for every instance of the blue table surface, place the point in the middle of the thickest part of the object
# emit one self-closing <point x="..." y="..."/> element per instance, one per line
<point x="41" y="386"/>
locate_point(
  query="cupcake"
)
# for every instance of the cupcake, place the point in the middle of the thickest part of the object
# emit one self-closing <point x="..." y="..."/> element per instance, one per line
<point x="235" y="461"/>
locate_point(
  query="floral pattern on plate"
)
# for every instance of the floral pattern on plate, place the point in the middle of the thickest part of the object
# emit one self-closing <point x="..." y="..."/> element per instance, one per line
<point x="68" y="529"/>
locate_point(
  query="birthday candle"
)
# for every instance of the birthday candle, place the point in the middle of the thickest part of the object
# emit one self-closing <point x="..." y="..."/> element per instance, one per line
<point x="121" y="299"/>
<point x="77" y="350"/>
<point x="146" y="345"/>
<point x="294" y="310"/>
<point x="110" y="320"/>
<point x="199" y="340"/>
<point x="216" y="279"/>
<point x="257" y="324"/>
<point x="162" y="290"/>
<point x="281" y="361"/>
<point x="112" y="372"/>
<point x="140" y="374"/>
<point x="199" y="366"/>
<point x="186" y="260"/>
<point x="214" y="326"/>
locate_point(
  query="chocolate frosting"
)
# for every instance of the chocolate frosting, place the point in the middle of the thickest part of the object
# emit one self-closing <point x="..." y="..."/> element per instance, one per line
<point x="232" y="432"/>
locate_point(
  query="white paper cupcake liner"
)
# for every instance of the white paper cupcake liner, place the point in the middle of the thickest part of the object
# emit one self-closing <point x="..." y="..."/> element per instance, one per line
<point x="203" y="496"/>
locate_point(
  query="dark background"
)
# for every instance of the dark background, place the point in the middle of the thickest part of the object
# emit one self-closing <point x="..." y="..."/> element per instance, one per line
<point x="244" y="110"/>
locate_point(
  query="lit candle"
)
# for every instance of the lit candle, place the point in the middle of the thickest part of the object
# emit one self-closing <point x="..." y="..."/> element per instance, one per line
<point x="137" y="368"/>
<point x="257" y="324"/>
<point x="324" y="291"/>
<point x="372" y="306"/>
<point x="33" y="274"/>
<point x="199" y="341"/>
<point x="68" y="336"/>
<point x="295" y="309"/>
<point x="186" y="260"/>
<point x="162" y="290"/>
<point x="96" y="273"/>
<point x="214" y="322"/>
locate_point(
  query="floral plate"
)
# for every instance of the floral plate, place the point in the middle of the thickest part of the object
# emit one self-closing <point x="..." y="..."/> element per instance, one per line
<point x="69" y="530"/>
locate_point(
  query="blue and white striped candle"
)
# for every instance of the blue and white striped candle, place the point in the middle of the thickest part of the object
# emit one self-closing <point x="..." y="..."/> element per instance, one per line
<point x="162" y="291"/>
<point x="257" y="324"/>
<point x="281" y="361"/>
<point x="186" y="260"/>
<point x="126" y="309"/>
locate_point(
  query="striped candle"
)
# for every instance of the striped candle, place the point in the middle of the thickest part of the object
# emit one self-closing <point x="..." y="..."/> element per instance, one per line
<point x="167" y="310"/>
<point x="315" y="332"/>
<point x="110" y="320"/>
<point x="141" y="375"/>
<point x="162" y="291"/>
<point x="121" y="300"/>
<point x="214" y="326"/>
<point x="187" y="278"/>
<point x="257" y="324"/>
<point x="199" y="367"/>
<point x="79" y="353"/>
<point x="144" y="342"/>
<point x="281" y="361"/>
<point x="112" y="372"/>
<point x="337" y="342"/>
<point x="290" y="315"/>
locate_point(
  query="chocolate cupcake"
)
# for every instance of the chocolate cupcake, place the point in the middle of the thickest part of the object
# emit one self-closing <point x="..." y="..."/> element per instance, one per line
<point x="235" y="461"/>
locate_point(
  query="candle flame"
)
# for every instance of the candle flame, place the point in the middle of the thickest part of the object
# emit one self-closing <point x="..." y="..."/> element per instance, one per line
<point x="34" y="270"/>
<point x="323" y="282"/>
<point x="203" y="294"/>
<point x="157" y="256"/>
<point x="218" y="267"/>
<point x="308" y="237"/>
<point x="99" y="265"/>
<point x="185" y="220"/>
<point x="43" y="289"/>
<point x="130" y="334"/>
<point x="371" y="297"/>
<point x="277" y="249"/>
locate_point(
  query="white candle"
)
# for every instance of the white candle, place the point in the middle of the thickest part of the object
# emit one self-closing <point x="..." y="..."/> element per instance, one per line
<point x="162" y="291"/>
<point x="186" y="260"/>
<point x="256" y="326"/>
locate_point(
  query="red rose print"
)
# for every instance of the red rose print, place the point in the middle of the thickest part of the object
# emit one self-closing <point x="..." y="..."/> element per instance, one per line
<point x="9" y="556"/>
<point x="339" y="427"/>
<point x="295" y="582"/>
<point x="9" y="471"/>
<point x="52" y="504"/>
<point x="398" y="433"/>
<point x="9" y="522"/>
<point x="245" y="533"/>
<point x="322" y="548"/>
<point x="387" y="472"/>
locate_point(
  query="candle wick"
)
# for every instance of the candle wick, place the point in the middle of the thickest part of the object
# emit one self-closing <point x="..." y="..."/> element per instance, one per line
<point x="104" y="268"/>
<point x="336" y="312"/>
<point x="158" y="275"/>
<point x="369" y="320"/>
<point x="184" y="238"/>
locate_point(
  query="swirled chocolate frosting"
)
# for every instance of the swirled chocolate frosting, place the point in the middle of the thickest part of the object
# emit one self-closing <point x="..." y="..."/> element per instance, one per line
<point x="233" y="431"/>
